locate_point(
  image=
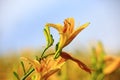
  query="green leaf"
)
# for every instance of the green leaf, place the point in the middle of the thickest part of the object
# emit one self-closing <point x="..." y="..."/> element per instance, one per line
<point x="27" y="74"/>
<point x="16" y="75"/>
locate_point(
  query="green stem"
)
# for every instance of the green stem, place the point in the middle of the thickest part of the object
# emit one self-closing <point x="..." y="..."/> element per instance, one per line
<point x="16" y="75"/>
<point x="27" y="74"/>
<point x="29" y="69"/>
<point x="23" y="67"/>
<point x="44" y="51"/>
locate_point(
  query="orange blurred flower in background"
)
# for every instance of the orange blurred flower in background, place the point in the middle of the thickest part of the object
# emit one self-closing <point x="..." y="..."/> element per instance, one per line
<point x="112" y="64"/>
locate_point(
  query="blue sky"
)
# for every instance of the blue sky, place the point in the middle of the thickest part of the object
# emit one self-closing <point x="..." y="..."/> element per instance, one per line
<point x="22" y="22"/>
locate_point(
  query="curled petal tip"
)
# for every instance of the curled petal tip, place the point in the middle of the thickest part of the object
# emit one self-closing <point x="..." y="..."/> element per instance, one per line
<point x="88" y="22"/>
<point x="83" y="26"/>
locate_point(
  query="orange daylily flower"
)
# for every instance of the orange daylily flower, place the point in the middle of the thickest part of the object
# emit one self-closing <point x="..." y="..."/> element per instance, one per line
<point x="67" y="33"/>
<point x="112" y="64"/>
<point x="48" y="66"/>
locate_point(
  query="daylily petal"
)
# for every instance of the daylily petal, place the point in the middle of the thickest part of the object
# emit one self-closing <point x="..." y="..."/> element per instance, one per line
<point x="35" y="63"/>
<point x="52" y="66"/>
<point x="62" y="42"/>
<point x="76" y="32"/>
<point x="68" y="25"/>
<point x="109" y="58"/>
<point x="112" y="64"/>
<point x="112" y="67"/>
<point x="59" y="27"/>
<point x="66" y="56"/>
<point x="46" y="76"/>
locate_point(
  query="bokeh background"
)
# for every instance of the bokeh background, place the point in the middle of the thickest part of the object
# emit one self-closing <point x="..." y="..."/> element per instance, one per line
<point x="22" y="23"/>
